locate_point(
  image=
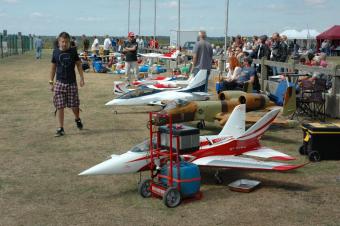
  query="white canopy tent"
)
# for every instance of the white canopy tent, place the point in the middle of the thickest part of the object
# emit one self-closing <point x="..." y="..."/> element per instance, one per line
<point x="304" y="34"/>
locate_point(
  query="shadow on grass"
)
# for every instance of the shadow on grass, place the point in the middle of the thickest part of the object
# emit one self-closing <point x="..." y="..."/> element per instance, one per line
<point x="87" y="131"/>
<point x="282" y="140"/>
<point x="229" y="176"/>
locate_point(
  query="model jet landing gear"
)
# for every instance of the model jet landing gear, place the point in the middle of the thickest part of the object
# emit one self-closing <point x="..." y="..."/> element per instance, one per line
<point x="144" y="188"/>
<point x="218" y="179"/>
<point x="201" y="124"/>
<point x="172" y="197"/>
<point x="314" y="156"/>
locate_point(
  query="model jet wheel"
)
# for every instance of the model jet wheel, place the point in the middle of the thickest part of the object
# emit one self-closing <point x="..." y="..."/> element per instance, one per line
<point x="115" y="112"/>
<point x="302" y="150"/>
<point x="144" y="188"/>
<point x="218" y="178"/>
<point x="200" y="125"/>
<point x="314" y="156"/>
<point x="172" y="197"/>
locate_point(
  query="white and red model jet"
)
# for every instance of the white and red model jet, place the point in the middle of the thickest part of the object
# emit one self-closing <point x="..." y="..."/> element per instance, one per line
<point x="172" y="55"/>
<point x="159" y="82"/>
<point x="234" y="147"/>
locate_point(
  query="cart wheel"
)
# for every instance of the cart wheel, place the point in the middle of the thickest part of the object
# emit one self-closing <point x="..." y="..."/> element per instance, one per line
<point x="144" y="188"/>
<point x="314" y="156"/>
<point x="172" y="197"/>
<point x="302" y="150"/>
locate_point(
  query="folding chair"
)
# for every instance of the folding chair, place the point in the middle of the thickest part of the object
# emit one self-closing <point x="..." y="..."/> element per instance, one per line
<point x="318" y="99"/>
<point x="311" y="102"/>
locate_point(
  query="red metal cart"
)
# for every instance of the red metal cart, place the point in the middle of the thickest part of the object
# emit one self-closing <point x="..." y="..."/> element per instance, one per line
<point x="167" y="187"/>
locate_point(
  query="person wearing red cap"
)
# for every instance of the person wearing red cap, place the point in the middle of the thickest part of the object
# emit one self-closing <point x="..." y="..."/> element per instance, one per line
<point x="130" y="51"/>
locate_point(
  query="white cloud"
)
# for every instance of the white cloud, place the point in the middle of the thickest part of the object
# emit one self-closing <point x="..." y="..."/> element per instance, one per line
<point x="315" y="2"/>
<point x="90" y="19"/>
<point x="10" y="1"/>
<point x="36" y="15"/>
<point x="169" y="5"/>
<point x="2" y="13"/>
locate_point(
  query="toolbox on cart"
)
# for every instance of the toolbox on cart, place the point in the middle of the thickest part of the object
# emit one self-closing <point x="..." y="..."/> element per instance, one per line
<point x="321" y="141"/>
<point x="188" y="137"/>
<point x="171" y="178"/>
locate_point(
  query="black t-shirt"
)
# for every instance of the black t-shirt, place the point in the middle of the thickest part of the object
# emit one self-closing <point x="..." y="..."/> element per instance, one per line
<point x="131" y="55"/>
<point x="65" y="62"/>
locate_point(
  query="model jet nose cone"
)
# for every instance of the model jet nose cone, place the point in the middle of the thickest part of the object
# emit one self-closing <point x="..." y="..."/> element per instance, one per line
<point x="110" y="103"/>
<point x="110" y="166"/>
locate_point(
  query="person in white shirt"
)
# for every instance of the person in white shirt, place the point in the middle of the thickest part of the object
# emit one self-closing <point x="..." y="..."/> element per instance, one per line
<point x="234" y="72"/>
<point x="234" y="69"/>
<point x="140" y="42"/>
<point x="107" y="47"/>
<point x="95" y="45"/>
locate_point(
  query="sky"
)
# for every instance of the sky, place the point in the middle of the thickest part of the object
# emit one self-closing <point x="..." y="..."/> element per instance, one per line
<point x="100" y="17"/>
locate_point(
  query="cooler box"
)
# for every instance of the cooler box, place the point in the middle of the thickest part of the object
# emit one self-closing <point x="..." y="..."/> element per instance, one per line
<point x="189" y="139"/>
<point x="144" y="68"/>
<point x="190" y="178"/>
<point x="321" y="141"/>
<point x="219" y="87"/>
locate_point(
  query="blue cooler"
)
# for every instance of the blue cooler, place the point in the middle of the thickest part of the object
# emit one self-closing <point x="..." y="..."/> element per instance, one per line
<point x="219" y="87"/>
<point x="98" y="67"/>
<point x="189" y="172"/>
<point x="160" y="69"/>
<point x="144" y="68"/>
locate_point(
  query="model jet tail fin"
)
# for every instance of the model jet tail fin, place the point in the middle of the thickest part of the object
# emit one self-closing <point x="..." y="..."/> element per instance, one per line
<point x="197" y="84"/>
<point x="235" y="125"/>
<point x="262" y="124"/>
<point x="119" y="88"/>
<point x="289" y="104"/>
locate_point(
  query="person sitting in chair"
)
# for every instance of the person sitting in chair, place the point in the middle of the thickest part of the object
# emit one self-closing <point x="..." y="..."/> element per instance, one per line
<point x="246" y="75"/>
<point x="234" y="71"/>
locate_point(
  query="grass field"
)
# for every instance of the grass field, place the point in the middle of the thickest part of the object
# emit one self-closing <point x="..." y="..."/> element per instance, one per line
<point x="39" y="182"/>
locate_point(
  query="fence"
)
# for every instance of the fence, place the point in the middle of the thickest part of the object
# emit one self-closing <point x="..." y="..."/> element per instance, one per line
<point x="14" y="44"/>
<point x="332" y="98"/>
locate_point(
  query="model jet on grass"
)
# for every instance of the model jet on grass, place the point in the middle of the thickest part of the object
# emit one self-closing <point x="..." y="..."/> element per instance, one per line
<point x="160" y="82"/>
<point x="219" y="111"/>
<point x="150" y="96"/>
<point x="172" y="55"/>
<point x="233" y="147"/>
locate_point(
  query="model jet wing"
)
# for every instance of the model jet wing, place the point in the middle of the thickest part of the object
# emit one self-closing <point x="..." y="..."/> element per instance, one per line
<point x="264" y="152"/>
<point x="243" y="163"/>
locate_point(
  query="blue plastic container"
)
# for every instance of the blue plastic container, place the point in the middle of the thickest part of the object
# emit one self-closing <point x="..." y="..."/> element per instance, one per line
<point x="219" y="87"/>
<point x="98" y="66"/>
<point x="160" y="69"/>
<point x="144" y="68"/>
<point x="188" y="171"/>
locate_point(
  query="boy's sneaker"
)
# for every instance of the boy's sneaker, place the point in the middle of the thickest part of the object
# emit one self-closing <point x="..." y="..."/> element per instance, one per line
<point x="60" y="132"/>
<point x="79" y="123"/>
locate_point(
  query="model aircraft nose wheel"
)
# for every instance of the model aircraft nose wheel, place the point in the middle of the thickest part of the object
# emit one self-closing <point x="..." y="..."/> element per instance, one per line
<point x="144" y="188"/>
<point x="218" y="179"/>
<point x="314" y="156"/>
<point x="115" y="112"/>
<point x="302" y="150"/>
<point x="172" y="197"/>
<point x="201" y="125"/>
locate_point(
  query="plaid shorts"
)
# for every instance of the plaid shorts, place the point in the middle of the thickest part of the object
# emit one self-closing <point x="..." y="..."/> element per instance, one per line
<point x="65" y="95"/>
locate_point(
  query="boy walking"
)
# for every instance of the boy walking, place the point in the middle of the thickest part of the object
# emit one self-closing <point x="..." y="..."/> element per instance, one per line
<point x="64" y="60"/>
